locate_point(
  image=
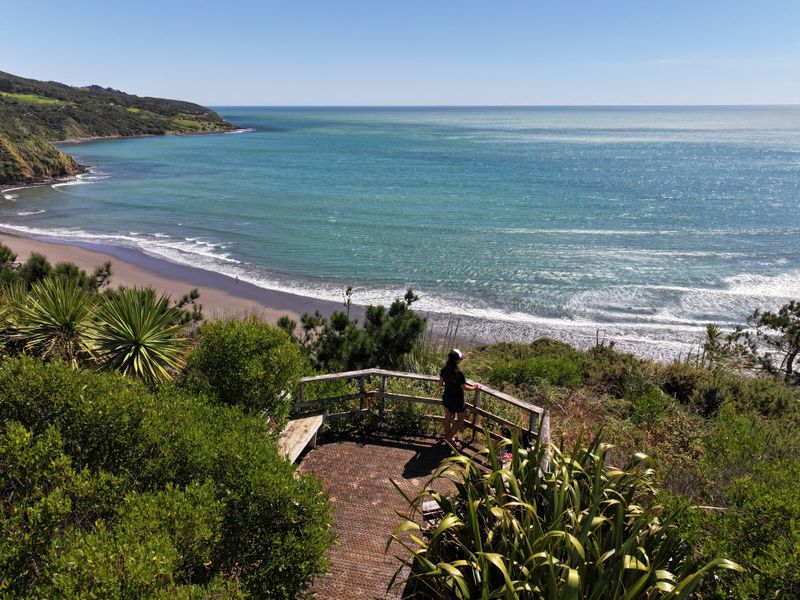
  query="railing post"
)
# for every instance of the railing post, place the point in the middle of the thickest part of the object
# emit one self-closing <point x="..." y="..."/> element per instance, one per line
<point x="361" y="394"/>
<point x="302" y="393"/>
<point x="383" y="393"/>
<point x="475" y="416"/>
<point x="532" y="421"/>
<point x="546" y="427"/>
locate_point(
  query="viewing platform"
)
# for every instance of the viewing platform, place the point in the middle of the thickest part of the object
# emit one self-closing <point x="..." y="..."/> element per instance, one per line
<point x="358" y="467"/>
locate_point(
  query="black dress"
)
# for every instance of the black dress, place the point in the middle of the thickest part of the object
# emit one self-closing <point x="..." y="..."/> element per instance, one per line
<point x="453" y="396"/>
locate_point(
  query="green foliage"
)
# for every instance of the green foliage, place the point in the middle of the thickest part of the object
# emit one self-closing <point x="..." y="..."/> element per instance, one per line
<point x="650" y="407"/>
<point x="54" y="320"/>
<point x="34" y="113"/>
<point x="63" y="316"/>
<point x="7" y="257"/>
<point x="557" y="370"/>
<point x="770" y="342"/>
<point x="42" y="498"/>
<point x="338" y="344"/>
<point x="129" y="475"/>
<point x="577" y="528"/>
<point x="139" y="334"/>
<point x="751" y="469"/>
<point x="159" y="541"/>
<point x="35" y="269"/>
<point x="248" y="363"/>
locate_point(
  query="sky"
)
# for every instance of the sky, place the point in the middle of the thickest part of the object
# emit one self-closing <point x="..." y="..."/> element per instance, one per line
<point x="432" y="52"/>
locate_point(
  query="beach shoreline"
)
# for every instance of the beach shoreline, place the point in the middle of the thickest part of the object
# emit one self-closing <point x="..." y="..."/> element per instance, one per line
<point x="220" y="295"/>
<point x="225" y="297"/>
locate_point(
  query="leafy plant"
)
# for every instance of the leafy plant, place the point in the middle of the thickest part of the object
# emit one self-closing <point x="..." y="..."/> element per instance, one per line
<point x="54" y="320"/>
<point x="547" y="525"/>
<point x="138" y="334"/>
<point x="248" y="363"/>
<point x="338" y="344"/>
<point x="102" y="468"/>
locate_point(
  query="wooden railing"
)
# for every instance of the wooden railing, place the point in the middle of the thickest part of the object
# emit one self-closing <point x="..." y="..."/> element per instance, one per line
<point x="534" y="418"/>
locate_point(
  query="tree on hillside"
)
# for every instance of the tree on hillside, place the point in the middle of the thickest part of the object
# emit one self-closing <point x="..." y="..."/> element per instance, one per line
<point x="339" y="344"/>
<point x="770" y="342"/>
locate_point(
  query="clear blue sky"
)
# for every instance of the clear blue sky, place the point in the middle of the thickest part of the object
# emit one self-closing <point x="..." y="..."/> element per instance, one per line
<point x="414" y="52"/>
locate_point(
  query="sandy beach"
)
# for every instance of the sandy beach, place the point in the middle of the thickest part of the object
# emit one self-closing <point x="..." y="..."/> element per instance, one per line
<point x="220" y="295"/>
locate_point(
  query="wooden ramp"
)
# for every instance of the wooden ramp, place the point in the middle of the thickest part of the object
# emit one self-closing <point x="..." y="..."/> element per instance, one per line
<point x="298" y="434"/>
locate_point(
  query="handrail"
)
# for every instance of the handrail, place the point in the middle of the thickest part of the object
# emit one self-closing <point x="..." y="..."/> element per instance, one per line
<point x="536" y="414"/>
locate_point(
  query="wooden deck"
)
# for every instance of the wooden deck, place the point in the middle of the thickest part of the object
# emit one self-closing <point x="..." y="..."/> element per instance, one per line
<point x="357" y="471"/>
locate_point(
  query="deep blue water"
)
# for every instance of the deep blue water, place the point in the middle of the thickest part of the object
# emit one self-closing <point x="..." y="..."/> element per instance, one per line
<point x="645" y="223"/>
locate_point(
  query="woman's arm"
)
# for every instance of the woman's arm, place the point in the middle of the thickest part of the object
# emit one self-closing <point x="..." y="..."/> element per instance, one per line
<point x="467" y="387"/>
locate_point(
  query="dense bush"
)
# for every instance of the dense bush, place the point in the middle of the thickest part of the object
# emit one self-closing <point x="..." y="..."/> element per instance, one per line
<point x="751" y="469"/>
<point x="102" y="467"/>
<point x="577" y="528"/>
<point x="339" y="344"/>
<point x="248" y="363"/>
<point x="718" y="437"/>
<point x="61" y="314"/>
<point x="557" y="370"/>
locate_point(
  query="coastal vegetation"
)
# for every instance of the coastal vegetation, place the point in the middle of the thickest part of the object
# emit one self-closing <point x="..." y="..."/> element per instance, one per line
<point x="133" y="428"/>
<point x="542" y="522"/>
<point x="718" y="436"/>
<point x="35" y="113"/>
<point x="150" y="479"/>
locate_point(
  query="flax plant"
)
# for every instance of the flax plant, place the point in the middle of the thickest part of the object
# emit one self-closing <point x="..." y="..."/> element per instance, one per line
<point x="577" y="529"/>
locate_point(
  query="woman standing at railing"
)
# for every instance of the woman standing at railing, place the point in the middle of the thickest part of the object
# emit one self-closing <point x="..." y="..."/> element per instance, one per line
<point x="455" y="406"/>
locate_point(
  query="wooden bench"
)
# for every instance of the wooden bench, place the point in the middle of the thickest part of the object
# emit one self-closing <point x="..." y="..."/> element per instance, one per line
<point x="298" y="434"/>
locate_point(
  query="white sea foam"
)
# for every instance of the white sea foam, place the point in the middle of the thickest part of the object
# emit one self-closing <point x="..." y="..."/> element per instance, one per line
<point x="70" y="183"/>
<point x="243" y="130"/>
<point x="783" y="286"/>
<point x="198" y="253"/>
<point x="640" y="318"/>
<point x="26" y="213"/>
<point x="10" y="196"/>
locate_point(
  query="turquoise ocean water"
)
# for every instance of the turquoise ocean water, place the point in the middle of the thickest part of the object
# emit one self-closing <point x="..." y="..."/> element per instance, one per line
<point x="642" y="223"/>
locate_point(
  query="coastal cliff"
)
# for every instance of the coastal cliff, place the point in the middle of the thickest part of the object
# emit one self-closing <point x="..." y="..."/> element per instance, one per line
<point x="33" y="114"/>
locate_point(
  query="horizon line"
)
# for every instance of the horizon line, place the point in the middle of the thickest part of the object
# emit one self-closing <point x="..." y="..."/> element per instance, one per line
<point x="680" y="105"/>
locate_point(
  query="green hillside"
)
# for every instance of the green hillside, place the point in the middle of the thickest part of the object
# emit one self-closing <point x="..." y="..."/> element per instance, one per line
<point x="35" y="113"/>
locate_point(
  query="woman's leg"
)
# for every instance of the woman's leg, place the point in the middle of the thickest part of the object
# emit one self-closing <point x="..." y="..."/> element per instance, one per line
<point x="448" y="425"/>
<point x="459" y="423"/>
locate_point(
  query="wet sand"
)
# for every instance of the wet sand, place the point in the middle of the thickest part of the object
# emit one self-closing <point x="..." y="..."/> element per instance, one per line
<point x="220" y="295"/>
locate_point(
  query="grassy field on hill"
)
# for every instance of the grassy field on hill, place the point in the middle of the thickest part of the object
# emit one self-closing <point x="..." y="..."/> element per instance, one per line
<point x="35" y="113"/>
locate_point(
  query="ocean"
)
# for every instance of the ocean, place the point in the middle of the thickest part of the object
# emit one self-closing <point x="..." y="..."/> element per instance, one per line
<point x="638" y="225"/>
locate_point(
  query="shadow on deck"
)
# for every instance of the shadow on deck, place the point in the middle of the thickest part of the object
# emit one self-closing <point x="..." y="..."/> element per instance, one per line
<point x="356" y="471"/>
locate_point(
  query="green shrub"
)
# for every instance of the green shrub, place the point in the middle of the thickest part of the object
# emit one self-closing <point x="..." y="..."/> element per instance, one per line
<point x="765" y="395"/>
<point x="274" y="529"/>
<point x="751" y="469"/>
<point x="42" y="497"/>
<point x="703" y="389"/>
<point x="558" y="370"/>
<point x="649" y="407"/>
<point x="615" y="373"/>
<point x="138" y="333"/>
<point x="385" y="340"/>
<point x="248" y="363"/>
<point x="159" y="540"/>
<point x="680" y="380"/>
<point x="577" y="528"/>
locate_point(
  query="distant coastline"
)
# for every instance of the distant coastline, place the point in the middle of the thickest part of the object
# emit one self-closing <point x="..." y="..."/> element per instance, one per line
<point x="34" y="114"/>
<point x="582" y="226"/>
